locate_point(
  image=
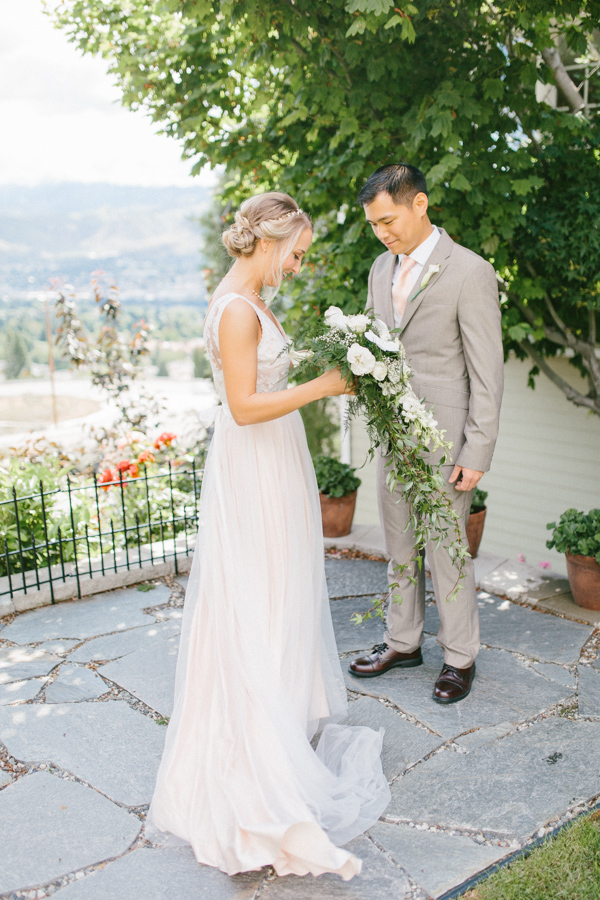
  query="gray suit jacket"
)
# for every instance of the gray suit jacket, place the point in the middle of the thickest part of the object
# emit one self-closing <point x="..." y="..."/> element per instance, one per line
<point x="452" y="335"/>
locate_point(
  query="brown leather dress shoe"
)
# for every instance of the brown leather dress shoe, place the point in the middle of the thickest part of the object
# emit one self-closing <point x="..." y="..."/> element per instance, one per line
<point x="453" y="684"/>
<point x="381" y="659"/>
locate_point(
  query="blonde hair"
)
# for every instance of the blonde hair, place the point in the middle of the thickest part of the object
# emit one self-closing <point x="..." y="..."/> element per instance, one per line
<point x="273" y="216"/>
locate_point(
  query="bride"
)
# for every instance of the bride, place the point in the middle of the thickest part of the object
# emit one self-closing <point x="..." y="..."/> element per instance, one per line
<point x="258" y="673"/>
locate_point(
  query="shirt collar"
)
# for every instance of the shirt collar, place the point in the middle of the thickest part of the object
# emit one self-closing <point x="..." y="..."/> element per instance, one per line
<point x="422" y="253"/>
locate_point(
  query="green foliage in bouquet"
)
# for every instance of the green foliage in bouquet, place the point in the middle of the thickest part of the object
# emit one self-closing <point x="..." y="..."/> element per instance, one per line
<point x="577" y="533"/>
<point x="373" y="361"/>
<point x="335" y="478"/>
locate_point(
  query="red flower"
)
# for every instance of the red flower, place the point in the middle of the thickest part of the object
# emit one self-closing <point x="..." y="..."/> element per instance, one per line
<point x="123" y="466"/>
<point x="145" y="456"/>
<point x="166" y="438"/>
<point x="107" y="475"/>
<point x="134" y="470"/>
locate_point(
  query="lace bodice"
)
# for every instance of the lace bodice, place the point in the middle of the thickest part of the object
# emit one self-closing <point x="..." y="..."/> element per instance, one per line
<point x="273" y="357"/>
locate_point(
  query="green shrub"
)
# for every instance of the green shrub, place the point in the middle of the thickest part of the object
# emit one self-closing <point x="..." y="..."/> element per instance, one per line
<point x="335" y="479"/>
<point x="478" y="500"/>
<point x="577" y="533"/>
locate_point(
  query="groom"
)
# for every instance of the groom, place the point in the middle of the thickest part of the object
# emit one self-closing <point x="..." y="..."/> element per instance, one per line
<point x="445" y="299"/>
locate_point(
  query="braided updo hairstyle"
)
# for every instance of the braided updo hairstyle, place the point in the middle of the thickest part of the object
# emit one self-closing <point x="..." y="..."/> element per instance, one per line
<point x="273" y="216"/>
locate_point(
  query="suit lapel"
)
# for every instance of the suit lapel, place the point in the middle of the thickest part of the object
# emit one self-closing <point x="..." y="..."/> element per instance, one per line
<point x="386" y="312"/>
<point x="439" y="257"/>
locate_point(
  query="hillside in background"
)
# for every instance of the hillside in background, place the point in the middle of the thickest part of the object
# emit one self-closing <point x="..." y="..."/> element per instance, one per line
<point x="146" y="238"/>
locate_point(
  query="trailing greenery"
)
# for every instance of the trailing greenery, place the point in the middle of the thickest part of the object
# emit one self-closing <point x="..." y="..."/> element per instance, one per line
<point x="566" y="867"/>
<point x="335" y="478"/>
<point x="577" y="533"/>
<point x="478" y="500"/>
<point x="311" y="97"/>
<point x="399" y="425"/>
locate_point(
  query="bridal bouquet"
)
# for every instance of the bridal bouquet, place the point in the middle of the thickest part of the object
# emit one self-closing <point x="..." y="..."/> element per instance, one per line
<point x="374" y="361"/>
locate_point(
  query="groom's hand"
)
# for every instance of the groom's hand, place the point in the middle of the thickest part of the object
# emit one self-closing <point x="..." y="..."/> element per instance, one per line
<point x="466" y="479"/>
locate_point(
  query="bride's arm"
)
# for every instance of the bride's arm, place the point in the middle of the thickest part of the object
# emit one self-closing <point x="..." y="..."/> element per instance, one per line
<point x="239" y="334"/>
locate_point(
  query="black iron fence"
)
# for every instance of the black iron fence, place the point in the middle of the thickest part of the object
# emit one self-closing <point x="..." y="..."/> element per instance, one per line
<point x="71" y="531"/>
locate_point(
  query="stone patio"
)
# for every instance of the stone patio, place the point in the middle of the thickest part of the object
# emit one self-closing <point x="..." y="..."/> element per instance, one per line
<point x="86" y="689"/>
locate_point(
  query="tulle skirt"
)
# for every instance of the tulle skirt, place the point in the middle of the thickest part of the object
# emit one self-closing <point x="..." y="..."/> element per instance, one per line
<point x="258" y="675"/>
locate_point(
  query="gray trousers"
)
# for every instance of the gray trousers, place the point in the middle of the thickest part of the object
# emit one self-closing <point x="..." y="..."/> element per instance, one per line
<point x="458" y="633"/>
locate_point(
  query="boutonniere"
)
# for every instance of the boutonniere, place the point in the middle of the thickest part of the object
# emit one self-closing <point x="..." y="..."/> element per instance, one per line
<point x="431" y="271"/>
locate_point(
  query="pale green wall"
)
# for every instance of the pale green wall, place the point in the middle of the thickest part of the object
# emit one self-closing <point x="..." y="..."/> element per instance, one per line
<point x="547" y="459"/>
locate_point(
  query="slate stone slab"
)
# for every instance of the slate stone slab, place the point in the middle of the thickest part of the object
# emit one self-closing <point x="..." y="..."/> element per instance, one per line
<point x="403" y="742"/>
<point x="484" y="735"/>
<point x="379" y="879"/>
<point x="51" y="826"/>
<point x="149" y="673"/>
<point x="528" y="631"/>
<point x="109" y="745"/>
<point x="4" y="778"/>
<point x="75" y="683"/>
<point x="113" y="646"/>
<point x="100" y="614"/>
<point x="504" y="690"/>
<point x="17" y="663"/>
<point x="350" y="577"/>
<point x="183" y="581"/>
<point x="350" y="637"/>
<point x="512" y="786"/>
<point x="436" y="861"/>
<point x="589" y="691"/>
<point x="556" y="673"/>
<point x="60" y="646"/>
<point x="147" y="874"/>
<point x="18" y="691"/>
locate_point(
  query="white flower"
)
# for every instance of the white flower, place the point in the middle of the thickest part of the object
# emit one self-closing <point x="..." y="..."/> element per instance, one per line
<point x="379" y="371"/>
<point x="298" y="356"/>
<point x="361" y="360"/>
<point x="335" y="318"/>
<point x="342" y="213"/>
<point x="359" y="323"/>
<point x="390" y="346"/>
<point x="432" y="270"/>
<point x="394" y="368"/>
<point x="381" y="329"/>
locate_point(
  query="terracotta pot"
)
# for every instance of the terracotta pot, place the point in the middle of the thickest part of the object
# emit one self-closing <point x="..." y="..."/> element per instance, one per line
<point x="337" y="514"/>
<point x="475" y="530"/>
<point x="584" y="578"/>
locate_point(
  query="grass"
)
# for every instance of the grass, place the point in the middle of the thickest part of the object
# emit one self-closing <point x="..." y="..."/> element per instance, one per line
<point x="566" y="867"/>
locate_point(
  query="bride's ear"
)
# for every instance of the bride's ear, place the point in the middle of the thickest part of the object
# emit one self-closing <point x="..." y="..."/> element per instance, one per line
<point x="264" y="244"/>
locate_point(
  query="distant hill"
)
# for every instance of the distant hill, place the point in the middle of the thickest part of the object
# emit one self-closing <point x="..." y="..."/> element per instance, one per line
<point x="146" y="238"/>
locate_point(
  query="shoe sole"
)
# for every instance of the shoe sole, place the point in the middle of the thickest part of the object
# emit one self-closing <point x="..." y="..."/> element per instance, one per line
<point x="406" y="664"/>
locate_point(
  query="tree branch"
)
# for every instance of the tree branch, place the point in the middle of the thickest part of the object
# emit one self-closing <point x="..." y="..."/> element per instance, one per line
<point x="563" y="79"/>
<point x="570" y="392"/>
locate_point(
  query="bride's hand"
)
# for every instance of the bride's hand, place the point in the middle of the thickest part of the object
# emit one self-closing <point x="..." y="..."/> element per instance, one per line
<point x="333" y="384"/>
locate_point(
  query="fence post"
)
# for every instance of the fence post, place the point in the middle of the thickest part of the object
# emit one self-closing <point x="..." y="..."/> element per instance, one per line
<point x="173" y="517"/>
<point x="47" y="542"/>
<point x="74" y="537"/>
<point x="16" y="505"/>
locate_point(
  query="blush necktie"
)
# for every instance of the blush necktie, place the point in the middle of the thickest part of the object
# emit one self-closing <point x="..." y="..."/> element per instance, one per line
<point x="402" y="288"/>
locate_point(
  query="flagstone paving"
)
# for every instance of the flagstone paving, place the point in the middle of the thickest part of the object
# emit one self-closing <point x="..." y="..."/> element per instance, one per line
<point x="86" y="686"/>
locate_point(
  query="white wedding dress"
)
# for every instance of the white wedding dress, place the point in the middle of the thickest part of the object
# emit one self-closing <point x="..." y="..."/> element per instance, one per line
<point x="258" y="672"/>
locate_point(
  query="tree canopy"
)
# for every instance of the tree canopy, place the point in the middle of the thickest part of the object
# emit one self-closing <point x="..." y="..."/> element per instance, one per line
<point x="311" y="97"/>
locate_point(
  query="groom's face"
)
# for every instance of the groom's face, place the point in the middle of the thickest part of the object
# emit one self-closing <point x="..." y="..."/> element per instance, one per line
<point x="400" y="227"/>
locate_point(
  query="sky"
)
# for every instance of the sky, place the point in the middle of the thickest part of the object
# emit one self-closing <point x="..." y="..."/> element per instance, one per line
<point x="61" y="117"/>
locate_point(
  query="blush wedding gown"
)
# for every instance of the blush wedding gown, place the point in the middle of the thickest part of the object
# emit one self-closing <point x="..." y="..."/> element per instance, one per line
<point x="258" y="673"/>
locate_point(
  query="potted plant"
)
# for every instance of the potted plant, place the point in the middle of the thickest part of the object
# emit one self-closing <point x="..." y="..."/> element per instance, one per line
<point x="337" y="491"/>
<point x="476" y="520"/>
<point x="578" y="535"/>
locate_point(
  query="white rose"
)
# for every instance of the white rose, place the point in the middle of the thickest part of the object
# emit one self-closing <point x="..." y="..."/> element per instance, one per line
<point x="361" y="360"/>
<point x="335" y="318"/>
<point x="391" y="346"/>
<point x="379" y="371"/>
<point x="359" y="323"/>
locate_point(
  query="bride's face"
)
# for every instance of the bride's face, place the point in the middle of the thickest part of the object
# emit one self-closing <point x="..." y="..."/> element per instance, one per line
<point x="293" y="262"/>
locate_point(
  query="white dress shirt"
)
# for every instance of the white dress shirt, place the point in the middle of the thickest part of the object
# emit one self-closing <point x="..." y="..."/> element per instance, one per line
<point x="420" y="254"/>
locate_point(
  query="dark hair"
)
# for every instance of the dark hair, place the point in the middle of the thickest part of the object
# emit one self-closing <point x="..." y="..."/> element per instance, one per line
<point x="402" y="182"/>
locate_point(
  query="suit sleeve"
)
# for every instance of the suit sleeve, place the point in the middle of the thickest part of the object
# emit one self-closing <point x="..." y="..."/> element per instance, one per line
<point x="370" y="299"/>
<point x="481" y="332"/>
